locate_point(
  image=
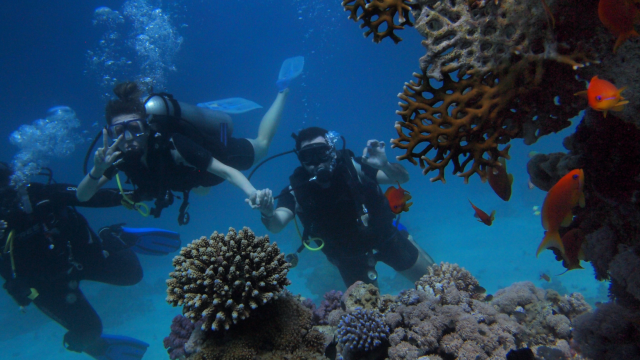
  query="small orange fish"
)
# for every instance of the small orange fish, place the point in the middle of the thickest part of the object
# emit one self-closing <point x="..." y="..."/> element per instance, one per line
<point x="482" y="216"/>
<point x="618" y="16"/>
<point x="603" y="96"/>
<point x="545" y="277"/>
<point x="398" y="199"/>
<point x="500" y="181"/>
<point x="572" y="242"/>
<point x="556" y="209"/>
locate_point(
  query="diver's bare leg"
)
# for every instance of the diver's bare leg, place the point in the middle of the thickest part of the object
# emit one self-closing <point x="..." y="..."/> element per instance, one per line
<point x="268" y="126"/>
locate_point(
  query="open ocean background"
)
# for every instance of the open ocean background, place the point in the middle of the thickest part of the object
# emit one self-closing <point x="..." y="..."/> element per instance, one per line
<point x="234" y="48"/>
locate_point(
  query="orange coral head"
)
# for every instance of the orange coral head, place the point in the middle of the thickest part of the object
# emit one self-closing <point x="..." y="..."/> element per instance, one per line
<point x="618" y="16"/>
<point x="500" y="181"/>
<point x="604" y="96"/>
<point x="398" y="199"/>
<point x="556" y="209"/>
<point x="482" y="216"/>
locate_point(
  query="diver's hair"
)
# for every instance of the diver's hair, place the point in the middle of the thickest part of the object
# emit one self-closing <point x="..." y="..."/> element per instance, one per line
<point x="309" y="133"/>
<point x="128" y="101"/>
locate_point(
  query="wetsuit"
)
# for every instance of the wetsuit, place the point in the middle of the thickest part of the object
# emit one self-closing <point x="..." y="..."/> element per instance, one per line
<point x="162" y="175"/>
<point x="54" y="249"/>
<point x="335" y="214"/>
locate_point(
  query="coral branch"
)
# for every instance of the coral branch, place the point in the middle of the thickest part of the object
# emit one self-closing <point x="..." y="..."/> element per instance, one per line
<point x="384" y="12"/>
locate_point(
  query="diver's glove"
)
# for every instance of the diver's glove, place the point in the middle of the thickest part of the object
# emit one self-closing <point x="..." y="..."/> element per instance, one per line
<point x="21" y="293"/>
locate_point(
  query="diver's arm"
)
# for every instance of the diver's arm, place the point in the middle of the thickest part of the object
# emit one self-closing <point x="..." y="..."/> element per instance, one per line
<point x="232" y="175"/>
<point x="102" y="160"/>
<point x="278" y="221"/>
<point x="392" y="174"/>
<point x="375" y="156"/>
<point x="89" y="186"/>
<point x="66" y="195"/>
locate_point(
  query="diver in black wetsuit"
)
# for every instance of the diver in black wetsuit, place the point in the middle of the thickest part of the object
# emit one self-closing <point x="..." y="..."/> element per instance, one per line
<point x="338" y="199"/>
<point x="48" y="248"/>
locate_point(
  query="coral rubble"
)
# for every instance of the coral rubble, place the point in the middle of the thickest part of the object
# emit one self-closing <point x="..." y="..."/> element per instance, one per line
<point x="223" y="278"/>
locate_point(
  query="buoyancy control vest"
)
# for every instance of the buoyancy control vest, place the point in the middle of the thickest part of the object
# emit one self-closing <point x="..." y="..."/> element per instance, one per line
<point x="351" y="215"/>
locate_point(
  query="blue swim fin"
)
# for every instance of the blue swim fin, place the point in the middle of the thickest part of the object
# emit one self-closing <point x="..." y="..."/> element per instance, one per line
<point x="150" y="241"/>
<point x="121" y="348"/>
<point x="291" y="68"/>
<point x="231" y="105"/>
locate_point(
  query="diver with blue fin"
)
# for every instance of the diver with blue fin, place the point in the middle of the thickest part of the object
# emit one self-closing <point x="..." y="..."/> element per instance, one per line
<point x="47" y="248"/>
<point x="164" y="146"/>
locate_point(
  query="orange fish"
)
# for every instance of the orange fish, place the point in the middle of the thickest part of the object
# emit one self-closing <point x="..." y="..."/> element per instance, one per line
<point x="603" y="96"/>
<point x="618" y="16"/>
<point x="500" y="181"/>
<point x="398" y="199"/>
<point x="557" y="206"/>
<point x="482" y="216"/>
<point x="572" y="242"/>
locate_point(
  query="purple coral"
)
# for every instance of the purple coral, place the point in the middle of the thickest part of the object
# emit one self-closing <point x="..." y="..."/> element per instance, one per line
<point x="331" y="302"/>
<point x="362" y="330"/>
<point x="181" y="329"/>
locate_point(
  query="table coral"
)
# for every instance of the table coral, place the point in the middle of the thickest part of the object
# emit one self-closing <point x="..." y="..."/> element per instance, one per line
<point x="377" y="13"/>
<point x="223" y="278"/>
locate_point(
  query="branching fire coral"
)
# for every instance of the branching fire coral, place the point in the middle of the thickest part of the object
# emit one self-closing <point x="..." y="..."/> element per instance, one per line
<point x="221" y="279"/>
<point x="377" y="13"/>
<point x="496" y="64"/>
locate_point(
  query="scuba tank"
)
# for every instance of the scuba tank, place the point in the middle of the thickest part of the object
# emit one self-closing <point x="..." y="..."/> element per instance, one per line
<point x="163" y="108"/>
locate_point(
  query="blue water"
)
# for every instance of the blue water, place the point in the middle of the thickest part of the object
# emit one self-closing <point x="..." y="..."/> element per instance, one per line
<point x="234" y="49"/>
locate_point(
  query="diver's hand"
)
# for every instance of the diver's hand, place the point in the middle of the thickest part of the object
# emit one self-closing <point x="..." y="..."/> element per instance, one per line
<point x="3" y="228"/>
<point x="374" y="154"/>
<point x="106" y="155"/>
<point x="263" y="201"/>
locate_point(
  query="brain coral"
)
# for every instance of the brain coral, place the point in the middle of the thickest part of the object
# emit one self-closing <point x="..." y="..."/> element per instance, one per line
<point x="221" y="279"/>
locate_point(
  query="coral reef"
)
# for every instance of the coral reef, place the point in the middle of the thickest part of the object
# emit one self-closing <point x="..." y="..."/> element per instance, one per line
<point x="505" y="73"/>
<point x="449" y="282"/>
<point x="608" y="150"/>
<point x="362" y="295"/>
<point x="377" y="13"/>
<point x="362" y="331"/>
<point x="331" y="302"/>
<point x="181" y="341"/>
<point x="446" y="326"/>
<point x="181" y="329"/>
<point x="281" y="329"/>
<point x="223" y="278"/>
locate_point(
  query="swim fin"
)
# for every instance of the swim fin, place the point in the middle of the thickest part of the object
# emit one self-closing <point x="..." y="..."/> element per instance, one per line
<point x="150" y="241"/>
<point x="231" y="105"/>
<point x="120" y="348"/>
<point x="291" y="68"/>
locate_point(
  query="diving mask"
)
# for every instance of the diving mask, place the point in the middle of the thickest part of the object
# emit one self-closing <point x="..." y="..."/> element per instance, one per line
<point x="130" y="128"/>
<point x="315" y="154"/>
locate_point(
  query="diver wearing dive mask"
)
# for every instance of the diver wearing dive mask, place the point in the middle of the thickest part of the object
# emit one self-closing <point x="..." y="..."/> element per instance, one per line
<point x="319" y="158"/>
<point x="338" y="199"/>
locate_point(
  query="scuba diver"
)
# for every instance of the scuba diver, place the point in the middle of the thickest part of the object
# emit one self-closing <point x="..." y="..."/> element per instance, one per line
<point x="48" y="248"/>
<point x="343" y="210"/>
<point x="165" y="146"/>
